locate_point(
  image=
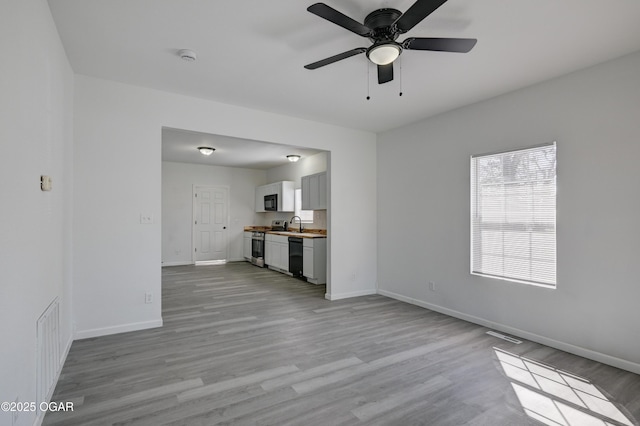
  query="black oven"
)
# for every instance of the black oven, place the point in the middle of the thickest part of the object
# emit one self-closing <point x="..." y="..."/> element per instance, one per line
<point x="271" y="202"/>
<point x="257" y="248"/>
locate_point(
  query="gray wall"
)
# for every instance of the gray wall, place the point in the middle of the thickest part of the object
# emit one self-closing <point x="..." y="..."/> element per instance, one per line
<point x="177" y="206"/>
<point x="423" y="173"/>
<point x="36" y="138"/>
<point x="118" y="136"/>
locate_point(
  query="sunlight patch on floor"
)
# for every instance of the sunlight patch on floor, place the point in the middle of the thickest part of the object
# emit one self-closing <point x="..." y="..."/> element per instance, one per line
<point x="555" y="397"/>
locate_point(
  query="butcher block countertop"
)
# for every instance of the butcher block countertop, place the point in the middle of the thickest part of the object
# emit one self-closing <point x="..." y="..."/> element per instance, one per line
<point x="298" y="234"/>
<point x="306" y="233"/>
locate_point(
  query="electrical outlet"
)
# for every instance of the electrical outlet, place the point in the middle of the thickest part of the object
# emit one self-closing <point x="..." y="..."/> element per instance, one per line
<point x="432" y="286"/>
<point x="148" y="298"/>
<point x="146" y="219"/>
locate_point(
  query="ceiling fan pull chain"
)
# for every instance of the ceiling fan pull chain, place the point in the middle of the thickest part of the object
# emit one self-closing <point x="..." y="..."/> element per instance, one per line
<point x="400" y="79"/>
<point x="368" y="78"/>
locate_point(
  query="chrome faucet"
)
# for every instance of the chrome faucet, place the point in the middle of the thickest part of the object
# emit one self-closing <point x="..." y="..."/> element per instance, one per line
<point x="291" y="221"/>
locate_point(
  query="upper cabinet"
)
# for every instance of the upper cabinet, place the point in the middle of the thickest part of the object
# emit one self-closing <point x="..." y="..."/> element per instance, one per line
<point x="260" y="199"/>
<point x="314" y="191"/>
<point x="284" y="190"/>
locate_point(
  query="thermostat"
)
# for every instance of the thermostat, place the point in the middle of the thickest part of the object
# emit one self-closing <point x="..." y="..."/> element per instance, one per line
<point x="45" y="183"/>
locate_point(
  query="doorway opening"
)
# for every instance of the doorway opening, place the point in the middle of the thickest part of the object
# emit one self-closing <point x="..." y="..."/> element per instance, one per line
<point x="238" y="166"/>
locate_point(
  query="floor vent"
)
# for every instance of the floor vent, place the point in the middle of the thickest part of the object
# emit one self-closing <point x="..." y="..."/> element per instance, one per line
<point x="48" y="351"/>
<point x="504" y="337"/>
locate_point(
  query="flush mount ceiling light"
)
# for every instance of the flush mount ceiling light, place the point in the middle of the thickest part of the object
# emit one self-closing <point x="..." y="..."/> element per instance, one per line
<point x="384" y="53"/>
<point x="293" y="158"/>
<point x="187" y="55"/>
<point x="205" y="150"/>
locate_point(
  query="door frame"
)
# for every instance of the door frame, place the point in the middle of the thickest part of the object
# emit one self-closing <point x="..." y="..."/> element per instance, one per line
<point x="193" y="222"/>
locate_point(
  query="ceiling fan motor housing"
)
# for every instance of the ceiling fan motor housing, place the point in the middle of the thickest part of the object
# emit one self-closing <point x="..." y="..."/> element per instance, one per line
<point x="380" y="21"/>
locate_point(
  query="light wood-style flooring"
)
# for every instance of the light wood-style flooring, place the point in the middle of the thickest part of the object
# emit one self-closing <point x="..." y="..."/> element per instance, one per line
<point x="243" y="345"/>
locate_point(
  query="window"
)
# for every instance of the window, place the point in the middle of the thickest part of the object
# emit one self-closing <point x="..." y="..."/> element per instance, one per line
<point x="513" y="215"/>
<point x="305" y="215"/>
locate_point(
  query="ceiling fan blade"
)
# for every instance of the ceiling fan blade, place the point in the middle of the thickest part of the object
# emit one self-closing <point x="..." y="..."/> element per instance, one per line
<point x="336" y="58"/>
<point x="338" y="18"/>
<point x="385" y="73"/>
<point x="460" y="45"/>
<point x="416" y="13"/>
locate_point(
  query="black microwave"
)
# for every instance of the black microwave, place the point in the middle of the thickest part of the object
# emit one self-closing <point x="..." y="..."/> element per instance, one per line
<point x="271" y="203"/>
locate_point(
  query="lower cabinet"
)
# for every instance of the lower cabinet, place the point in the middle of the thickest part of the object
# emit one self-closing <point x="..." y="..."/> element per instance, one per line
<point x="314" y="256"/>
<point x="276" y="251"/>
<point x="314" y="260"/>
<point x="246" y="248"/>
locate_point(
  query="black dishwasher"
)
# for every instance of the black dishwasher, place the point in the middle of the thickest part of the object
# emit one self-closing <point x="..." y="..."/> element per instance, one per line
<point x="295" y="256"/>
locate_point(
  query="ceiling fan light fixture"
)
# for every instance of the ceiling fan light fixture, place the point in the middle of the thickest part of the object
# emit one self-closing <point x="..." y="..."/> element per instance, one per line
<point x="384" y="53"/>
<point x="293" y="157"/>
<point x="206" y="150"/>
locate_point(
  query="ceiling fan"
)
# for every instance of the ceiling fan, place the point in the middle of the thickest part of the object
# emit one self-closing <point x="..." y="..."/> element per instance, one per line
<point x="382" y="27"/>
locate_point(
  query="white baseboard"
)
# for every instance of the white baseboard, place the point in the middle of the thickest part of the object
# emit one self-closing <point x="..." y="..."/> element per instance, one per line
<point x="124" y="328"/>
<point x="179" y="263"/>
<point x="576" y="350"/>
<point x="187" y="263"/>
<point x="338" y="296"/>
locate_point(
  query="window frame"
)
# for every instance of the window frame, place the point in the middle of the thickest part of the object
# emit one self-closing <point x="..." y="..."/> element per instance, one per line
<point x="297" y="207"/>
<point x="474" y="210"/>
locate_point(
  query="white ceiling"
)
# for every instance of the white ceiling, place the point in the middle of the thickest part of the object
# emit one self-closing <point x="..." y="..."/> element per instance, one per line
<point x="181" y="146"/>
<point x="252" y="52"/>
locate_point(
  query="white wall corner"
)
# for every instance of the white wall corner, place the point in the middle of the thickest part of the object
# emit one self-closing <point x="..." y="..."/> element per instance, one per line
<point x="338" y="296"/>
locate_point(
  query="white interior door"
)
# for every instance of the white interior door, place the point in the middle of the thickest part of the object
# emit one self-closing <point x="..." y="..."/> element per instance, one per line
<point x="210" y="213"/>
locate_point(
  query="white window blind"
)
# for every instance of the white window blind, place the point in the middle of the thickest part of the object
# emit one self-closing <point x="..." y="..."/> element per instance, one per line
<point x="513" y="215"/>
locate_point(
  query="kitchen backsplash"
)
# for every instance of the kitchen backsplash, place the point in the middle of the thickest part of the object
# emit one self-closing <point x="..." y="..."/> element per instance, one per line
<point x="319" y="219"/>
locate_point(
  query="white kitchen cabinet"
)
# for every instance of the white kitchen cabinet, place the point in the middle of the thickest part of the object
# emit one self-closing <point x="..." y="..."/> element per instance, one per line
<point x="246" y="248"/>
<point x="260" y="199"/>
<point x="314" y="260"/>
<point x="271" y="253"/>
<point x="284" y="255"/>
<point x="276" y="251"/>
<point x="286" y="195"/>
<point x="285" y="191"/>
<point x="268" y="251"/>
<point x="322" y="191"/>
<point x="307" y="261"/>
<point x="305" y="183"/>
<point x="314" y="191"/>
